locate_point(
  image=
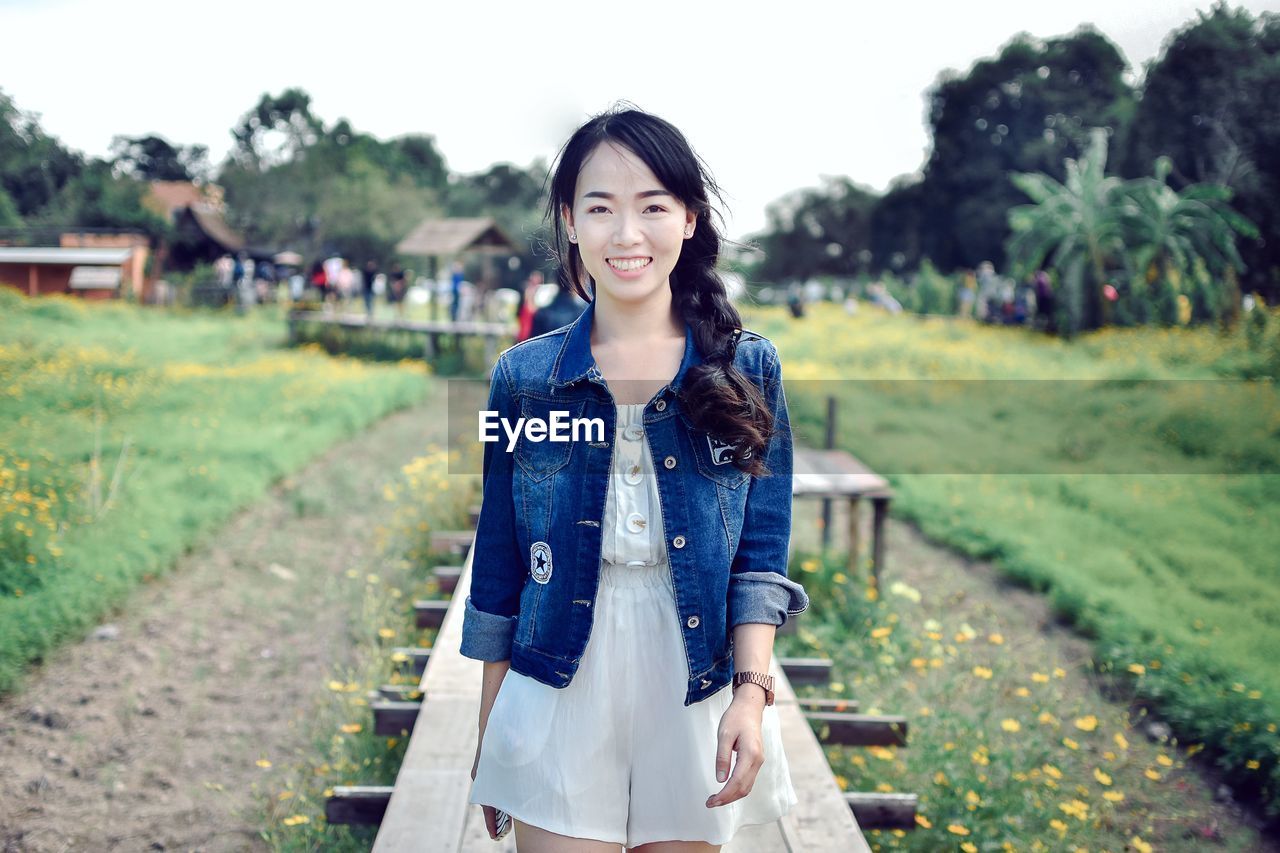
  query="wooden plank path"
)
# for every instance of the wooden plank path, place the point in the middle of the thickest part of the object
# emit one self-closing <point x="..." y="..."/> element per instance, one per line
<point x="838" y="474"/>
<point x="431" y="330"/>
<point x="428" y="808"/>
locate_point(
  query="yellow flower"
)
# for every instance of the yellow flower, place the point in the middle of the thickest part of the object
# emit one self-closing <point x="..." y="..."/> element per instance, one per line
<point x="1120" y="741"/>
<point x="956" y="829"/>
<point x="1164" y="760"/>
<point x="294" y="820"/>
<point x="1039" y="677"/>
<point x="1137" y="668"/>
<point x="923" y="821"/>
<point x="1050" y="770"/>
<point x="1151" y="774"/>
<point x="995" y="639"/>
<point x="1102" y="778"/>
<point x="1087" y="723"/>
<point x="1139" y="845"/>
<point x="1069" y="743"/>
<point x="1113" y="796"/>
<point x="972" y="798"/>
<point x="969" y="847"/>
<point x="1059" y="672"/>
<point x="1022" y="691"/>
<point x="939" y="778"/>
<point x="1252" y="764"/>
<point x="1010" y="725"/>
<point x="264" y="763"/>
<point x="1076" y="809"/>
<point x="386" y="633"/>
<point x="1047" y="718"/>
<point x="982" y="672"/>
<point x="881" y="633"/>
<point x="351" y="728"/>
<point x="1058" y="825"/>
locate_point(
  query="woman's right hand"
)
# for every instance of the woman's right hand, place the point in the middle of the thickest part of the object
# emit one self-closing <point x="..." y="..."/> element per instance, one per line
<point x="490" y="816"/>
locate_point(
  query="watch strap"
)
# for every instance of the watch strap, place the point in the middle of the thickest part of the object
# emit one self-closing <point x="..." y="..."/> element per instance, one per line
<point x="760" y="678"/>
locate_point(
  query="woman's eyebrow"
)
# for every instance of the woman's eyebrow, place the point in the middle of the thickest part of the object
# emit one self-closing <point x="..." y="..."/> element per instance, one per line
<point x="645" y="194"/>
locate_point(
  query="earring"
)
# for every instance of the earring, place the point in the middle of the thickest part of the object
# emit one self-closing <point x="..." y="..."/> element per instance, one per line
<point x="573" y="237"/>
<point x="688" y="232"/>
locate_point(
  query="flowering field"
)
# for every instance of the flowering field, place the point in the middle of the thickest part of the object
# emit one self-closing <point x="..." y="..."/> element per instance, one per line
<point x="128" y="435"/>
<point x="1172" y="574"/>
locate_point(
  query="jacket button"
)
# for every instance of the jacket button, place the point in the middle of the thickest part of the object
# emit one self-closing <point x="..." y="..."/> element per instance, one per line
<point x="669" y="462"/>
<point x="678" y="542"/>
<point x="693" y="622"/>
<point x="706" y="682"/>
<point x="661" y="405"/>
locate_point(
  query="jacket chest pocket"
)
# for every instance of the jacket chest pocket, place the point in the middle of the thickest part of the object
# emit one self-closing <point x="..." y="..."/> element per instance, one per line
<point x="550" y="419"/>
<point x="712" y="456"/>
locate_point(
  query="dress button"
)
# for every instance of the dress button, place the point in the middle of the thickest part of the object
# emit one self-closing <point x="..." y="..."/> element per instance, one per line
<point x="634" y="432"/>
<point x="669" y="462"/>
<point x="661" y="405"/>
<point x="633" y="475"/>
<point x="693" y="622"/>
<point x="678" y="542"/>
<point x="636" y="522"/>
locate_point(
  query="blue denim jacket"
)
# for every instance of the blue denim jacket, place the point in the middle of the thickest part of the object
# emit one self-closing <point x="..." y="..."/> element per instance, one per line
<point x="536" y="561"/>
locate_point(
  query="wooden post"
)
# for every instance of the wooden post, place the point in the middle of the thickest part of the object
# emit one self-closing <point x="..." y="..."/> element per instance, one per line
<point x="881" y="509"/>
<point x="829" y="444"/>
<point x="854" y="544"/>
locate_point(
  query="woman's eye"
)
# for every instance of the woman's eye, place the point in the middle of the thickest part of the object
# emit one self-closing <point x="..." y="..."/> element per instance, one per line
<point x="597" y="207"/>
<point x="656" y="207"/>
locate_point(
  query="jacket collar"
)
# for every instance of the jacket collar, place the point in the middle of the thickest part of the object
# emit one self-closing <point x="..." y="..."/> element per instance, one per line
<point x="575" y="362"/>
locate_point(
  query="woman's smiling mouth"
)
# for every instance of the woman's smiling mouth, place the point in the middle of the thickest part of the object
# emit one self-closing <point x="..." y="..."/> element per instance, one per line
<point x="629" y="264"/>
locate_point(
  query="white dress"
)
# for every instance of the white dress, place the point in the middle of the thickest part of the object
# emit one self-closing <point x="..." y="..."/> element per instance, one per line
<point x="616" y="755"/>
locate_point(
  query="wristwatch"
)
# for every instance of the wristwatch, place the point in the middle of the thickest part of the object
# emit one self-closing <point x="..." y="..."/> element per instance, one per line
<point x="765" y="681"/>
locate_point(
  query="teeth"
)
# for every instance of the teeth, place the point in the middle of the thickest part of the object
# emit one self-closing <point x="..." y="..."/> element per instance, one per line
<point x="629" y="264"/>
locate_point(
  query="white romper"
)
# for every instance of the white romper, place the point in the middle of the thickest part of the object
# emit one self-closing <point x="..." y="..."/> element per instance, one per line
<point x="616" y="755"/>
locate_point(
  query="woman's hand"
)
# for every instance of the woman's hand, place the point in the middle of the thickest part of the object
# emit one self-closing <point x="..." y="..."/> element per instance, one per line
<point x="490" y="818"/>
<point x="740" y="730"/>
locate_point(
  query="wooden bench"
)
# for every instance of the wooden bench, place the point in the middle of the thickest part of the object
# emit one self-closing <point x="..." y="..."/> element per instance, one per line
<point x="431" y="330"/>
<point x="838" y="474"/>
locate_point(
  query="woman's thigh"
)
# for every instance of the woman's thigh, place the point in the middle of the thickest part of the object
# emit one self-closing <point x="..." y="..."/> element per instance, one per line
<point x="676" y="847"/>
<point x="532" y="839"/>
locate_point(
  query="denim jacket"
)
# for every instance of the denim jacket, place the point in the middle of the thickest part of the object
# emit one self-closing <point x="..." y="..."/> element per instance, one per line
<point x="536" y="562"/>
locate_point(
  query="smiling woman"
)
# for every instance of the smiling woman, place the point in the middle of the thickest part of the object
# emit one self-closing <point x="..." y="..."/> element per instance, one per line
<point x="657" y="553"/>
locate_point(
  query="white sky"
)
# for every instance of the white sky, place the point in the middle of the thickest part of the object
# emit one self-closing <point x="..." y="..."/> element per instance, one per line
<point x="772" y="95"/>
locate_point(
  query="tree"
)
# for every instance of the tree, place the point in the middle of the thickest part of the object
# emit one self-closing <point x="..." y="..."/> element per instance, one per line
<point x="1208" y="104"/>
<point x="1026" y="110"/>
<point x="1076" y="224"/>
<point x="153" y="158"/>
<point x="278" y="129"/>
<point x="817" y="231"/>
<point x="1168" y="233"/>
<point x="34" y="167"/>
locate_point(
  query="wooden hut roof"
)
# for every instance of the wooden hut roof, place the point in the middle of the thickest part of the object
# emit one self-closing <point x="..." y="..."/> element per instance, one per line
<point x="455" y="236"/>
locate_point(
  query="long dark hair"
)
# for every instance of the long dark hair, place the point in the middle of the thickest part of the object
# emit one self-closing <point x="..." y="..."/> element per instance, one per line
<point x="718" y="398"/>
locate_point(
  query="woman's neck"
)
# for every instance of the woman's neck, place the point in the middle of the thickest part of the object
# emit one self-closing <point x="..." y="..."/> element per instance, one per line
<point x="623" y="323"/>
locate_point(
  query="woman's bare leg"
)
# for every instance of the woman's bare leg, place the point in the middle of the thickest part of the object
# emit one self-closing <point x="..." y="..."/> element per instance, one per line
<point x="532" y="839"/>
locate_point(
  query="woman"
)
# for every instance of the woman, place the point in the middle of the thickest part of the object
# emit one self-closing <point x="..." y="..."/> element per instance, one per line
<point x="620" y="581"/>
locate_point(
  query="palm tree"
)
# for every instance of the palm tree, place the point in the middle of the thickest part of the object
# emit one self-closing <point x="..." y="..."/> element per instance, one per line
<point x="1167" y="231"/>
<point x="1076" y="225"/>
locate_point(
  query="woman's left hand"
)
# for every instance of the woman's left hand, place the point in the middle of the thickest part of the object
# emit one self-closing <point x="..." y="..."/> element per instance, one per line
<point x="740" y="730"/>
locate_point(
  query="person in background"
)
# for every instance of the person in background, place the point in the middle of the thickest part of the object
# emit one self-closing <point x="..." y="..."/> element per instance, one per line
<point x="527" y="306"/>
<point x="455" y="282"/>
<point x="396" y="288"/>
<point x="561" y="311"/>
<point x="370" y="273"/>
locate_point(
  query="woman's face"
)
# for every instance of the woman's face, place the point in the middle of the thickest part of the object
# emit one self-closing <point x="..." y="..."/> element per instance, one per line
<point x="630" y="228"/>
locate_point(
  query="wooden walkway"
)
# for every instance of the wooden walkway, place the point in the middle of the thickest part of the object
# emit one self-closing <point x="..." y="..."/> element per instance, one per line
<point x="431" y="330"/>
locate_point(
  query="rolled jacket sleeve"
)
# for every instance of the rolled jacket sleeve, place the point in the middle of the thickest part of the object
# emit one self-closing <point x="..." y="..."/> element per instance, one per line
<point x="497" y="570"/>
<point x="759" y="589"/>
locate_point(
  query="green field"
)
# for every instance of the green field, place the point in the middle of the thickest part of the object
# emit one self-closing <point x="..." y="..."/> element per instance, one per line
<point x="128" y="435"/>
<point x="1175" y="574"/>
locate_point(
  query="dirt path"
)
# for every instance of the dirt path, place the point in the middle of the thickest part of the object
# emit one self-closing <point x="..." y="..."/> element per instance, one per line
<point x="147" y="736"/>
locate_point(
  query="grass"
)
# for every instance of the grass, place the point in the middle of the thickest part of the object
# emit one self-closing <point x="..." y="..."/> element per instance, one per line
<point x="1173" y="574"/>
<point x="128" y="435"/>
<point x="345" y="751"/>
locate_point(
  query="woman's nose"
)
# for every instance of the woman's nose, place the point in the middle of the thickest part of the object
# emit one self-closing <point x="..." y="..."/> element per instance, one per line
<point x="625" y="232"/>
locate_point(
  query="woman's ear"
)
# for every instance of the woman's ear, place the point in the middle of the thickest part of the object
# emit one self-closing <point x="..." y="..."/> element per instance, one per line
<point x="566" y="215"/>
<point x="690" y="223"/>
